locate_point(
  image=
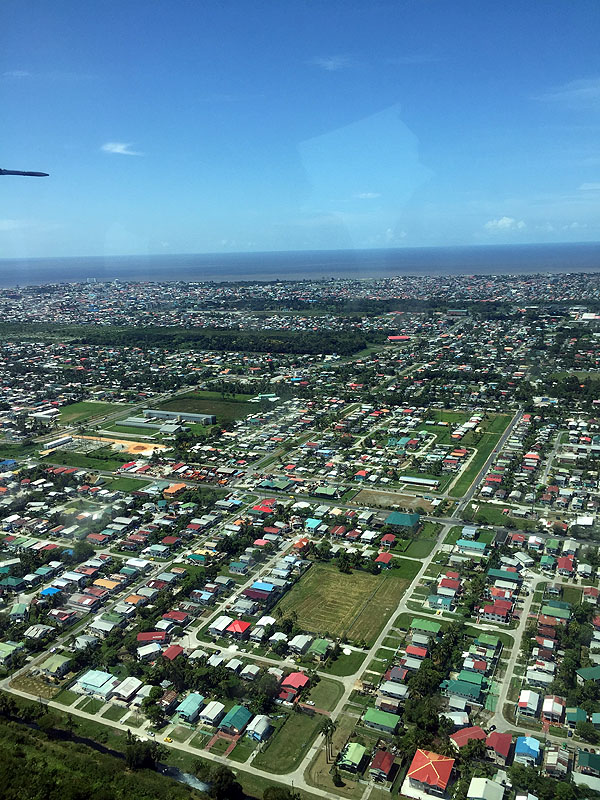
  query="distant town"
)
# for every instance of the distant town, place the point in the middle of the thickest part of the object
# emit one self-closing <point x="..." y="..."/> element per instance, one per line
<point x="340" y="537"/>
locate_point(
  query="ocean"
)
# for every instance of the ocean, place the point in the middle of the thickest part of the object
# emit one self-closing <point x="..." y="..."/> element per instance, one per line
<point x="313" y="265"/>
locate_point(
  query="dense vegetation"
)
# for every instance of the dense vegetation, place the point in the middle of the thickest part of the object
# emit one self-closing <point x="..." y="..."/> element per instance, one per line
<point x="37" y="765"/>
<point x="343" y="343"/>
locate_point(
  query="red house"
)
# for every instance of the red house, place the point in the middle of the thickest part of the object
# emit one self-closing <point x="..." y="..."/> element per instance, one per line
<point x="429" y="772"/>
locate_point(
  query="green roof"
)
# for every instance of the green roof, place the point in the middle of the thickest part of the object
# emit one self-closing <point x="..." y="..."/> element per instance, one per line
<point x="469" y="544"/>
<point x="353" y="754"/>
<point x="471" y="677"/>
<point x="558" y="604"/>
<point x="589" y="673"/>
<point x="488" y="639"/>
<point x="381" y="719"/>
<point x="326" y="491"/>
<point x="320" y="647"/>
<point x="425" y="625"/>
<point x="558" y="613"/>
<point x="589" y="760"/>
<point x="54" y="662"/>
<point x="402" y="519"/>
<point x="576" y="715"/>
<point x="237" y="717"/>
<point x="504" y="575"/>
<point x="462" y="689"/>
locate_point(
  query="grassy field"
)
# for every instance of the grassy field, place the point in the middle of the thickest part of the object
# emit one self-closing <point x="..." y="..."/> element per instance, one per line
<point x="126" y="485"/>
<point x="491" y="514"/>
<point x="325" y="694"/>
<point x="67" y="458"/>
<point x="86" y="409"/>
<point x="355" y="606"/>
<point x="226" y="409"/>
<point x="115" y="713"/>
<point x="571" y="594"/>
<point x="346" y="665"/>
<point x="288" y="746"/>
<point x="494" y="427"/>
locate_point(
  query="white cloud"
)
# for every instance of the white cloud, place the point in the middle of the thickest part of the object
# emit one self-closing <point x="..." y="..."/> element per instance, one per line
<point x="367" y="195"/>
<point x="505" y="224"/>
<point x="574" y="226"/>
<point x="12" y="224"/>
<point x="16" y="73"/>
<point x="331" y="63"/>
<point x="120" y="148"/>
<point x="583" y="93"/>
<point x="589" y="187"/>
<point x="413" y="58"/>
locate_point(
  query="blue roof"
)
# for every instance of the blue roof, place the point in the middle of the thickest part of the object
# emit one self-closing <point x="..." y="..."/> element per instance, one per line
<point x="262" y="586"/>
<point x="527" y="745"/>
<point x="190" y="704"/>
<point x="312" y="523"/>
<point x="8" y="462"/>
<point x="51" y="590"/>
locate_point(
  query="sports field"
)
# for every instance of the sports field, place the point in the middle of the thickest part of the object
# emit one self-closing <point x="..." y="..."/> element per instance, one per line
<point x="226" y="409"/>
<point x="86" y="409"/>
<point x="355" y="606"/>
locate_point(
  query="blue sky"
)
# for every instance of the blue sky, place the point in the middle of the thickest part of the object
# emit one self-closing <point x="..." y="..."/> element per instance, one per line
<point x="228" y="125"/>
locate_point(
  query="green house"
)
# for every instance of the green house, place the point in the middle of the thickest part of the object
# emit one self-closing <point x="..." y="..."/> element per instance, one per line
<point x="403" y="521"/>
<point x="425" y="626"/>
<point x="574" y="715"/>
<point x="469" y="691"/>
<point x="352" y="756"/>
<point x="235" y="720"/>
<point x="320" y="648"/>
<point x="381" y="720"/>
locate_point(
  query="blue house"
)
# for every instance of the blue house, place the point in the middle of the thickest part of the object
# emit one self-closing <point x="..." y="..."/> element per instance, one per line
<point x="527" y="751"/>
<point x="190" y="707"/>
<point x="311" y="524"/>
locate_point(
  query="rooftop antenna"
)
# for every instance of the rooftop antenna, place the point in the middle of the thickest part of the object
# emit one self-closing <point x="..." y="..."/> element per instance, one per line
<point x="26" y="174"/>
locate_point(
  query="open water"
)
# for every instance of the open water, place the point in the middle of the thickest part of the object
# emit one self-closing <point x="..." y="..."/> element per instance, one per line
<point x="363" y="264"/>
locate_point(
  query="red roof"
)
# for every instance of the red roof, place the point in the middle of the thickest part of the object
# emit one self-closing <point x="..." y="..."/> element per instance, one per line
<point x="383" y="761"/>
<point x="388" y="538"/>
<point x="384" y="558"/>
<point x="431" y="769"/>
<point x="175" y="616"/>
<point x="419" y="652"/>
<point x="500" y="742"/>
<point x="238" y="626"/>
<point x="466" y="735"/>
<point x="152" y="636"/>
<point x="173" y="651"/>
<point x="295" y="680"/>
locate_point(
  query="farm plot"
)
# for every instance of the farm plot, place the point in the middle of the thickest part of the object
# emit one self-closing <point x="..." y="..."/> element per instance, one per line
<point x="355" y="606"/>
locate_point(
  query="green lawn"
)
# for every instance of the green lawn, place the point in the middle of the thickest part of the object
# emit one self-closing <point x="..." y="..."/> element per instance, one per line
<point x="486" y="444"/>
<point x="346" y="665"/>
<point x="66" y="458"/>
<point x="115" y="713"/>
<point x="91" y="705"/>
<point x="288" y="746"/>
<point x="243" y="750"/>
<point x="66" y="697"/>
<point x="326" y="693"/>
<point x="491" y="514"/>
<point x="126" y="485"/>
<point x="355" y="606"/>
<point x="453" y="535"/>
<point x="86" y="409"/>
<point x="419" y="548"/>
<point x="571" y="594"/>
<point x="226" y="409"/>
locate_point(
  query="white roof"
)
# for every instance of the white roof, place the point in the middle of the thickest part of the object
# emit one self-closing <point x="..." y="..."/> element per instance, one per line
<point x="484" y="789"/>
